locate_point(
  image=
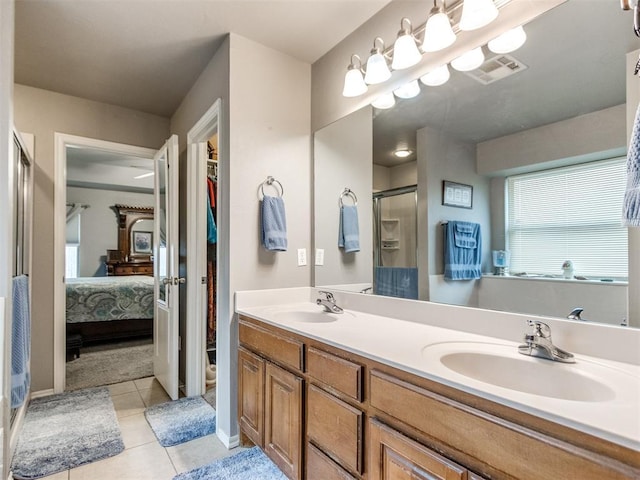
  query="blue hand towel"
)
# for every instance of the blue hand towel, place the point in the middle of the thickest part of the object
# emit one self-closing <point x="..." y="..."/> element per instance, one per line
<point x="20" y="341"/>
<point x="400" y="282"/>
<point x="631" y="203"/>
<point x="212" y="230"/>
<point x="348" y="231"/>
<point x="462" y="251"/>
<point x="274" y="224"/>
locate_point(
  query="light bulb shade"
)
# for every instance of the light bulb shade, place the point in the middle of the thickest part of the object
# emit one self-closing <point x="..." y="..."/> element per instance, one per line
<point x="384" y="101"/>
<point x="477" y="14"/>
<point x="408" y="90"/>
<point x="405" y="52"/>
<point x="509" y="41"/>
<point x="354" y="83"/>
<point x="469" y="61"/>
<point x="436" y="77"/>
<point x="438" y="33"/>
<point x="377" y="69"/>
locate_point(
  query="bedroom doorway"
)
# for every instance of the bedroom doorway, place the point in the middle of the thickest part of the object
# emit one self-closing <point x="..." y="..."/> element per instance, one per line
<point x="103" y="321"/>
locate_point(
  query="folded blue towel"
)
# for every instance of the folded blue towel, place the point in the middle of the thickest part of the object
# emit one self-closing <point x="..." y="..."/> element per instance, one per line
<point x="401" y="282"/>
<point x="462" y="251"/>
<point x="212" y="230"/>
<point x="20" y="341"/>
<point x="274" y="224"/>
<point x="348" y="230"/>
<point x="631" y="203"/>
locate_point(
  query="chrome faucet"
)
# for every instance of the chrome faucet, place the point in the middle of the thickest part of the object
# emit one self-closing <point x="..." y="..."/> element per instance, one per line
<point x="538" y="344"/>
<point x="575" y="314"/>
<point x="329" y="303"/>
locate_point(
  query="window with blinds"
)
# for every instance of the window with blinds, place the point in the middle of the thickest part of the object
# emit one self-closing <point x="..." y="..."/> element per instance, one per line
<point x="570" y="213"/>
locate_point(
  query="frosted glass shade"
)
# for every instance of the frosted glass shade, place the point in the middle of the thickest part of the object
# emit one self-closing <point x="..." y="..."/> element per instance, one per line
<point x="354" y="83"/>
<point x="438" y="33"/>
<point x="384" y="101"/>
<point x="436" y="77"/>
<point x="469" y="61"/>
<point x="405" y="52"/>
<point x="509" y="41"/>
<point x="477" y="13"/>
<point x="408" y="90"/>
<point x="377" y="69"/>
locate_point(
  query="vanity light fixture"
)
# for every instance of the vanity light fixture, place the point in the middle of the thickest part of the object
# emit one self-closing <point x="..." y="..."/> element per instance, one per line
<point x="377" y="68"/>
<point x="384" y="101"/>
<point x="509" y="41"/>
<point x="438" y="33"/>
<point x="402" y="153"/>
<point x="436" y="77"/>
<point x="477" y="13"/>
<point x="354" y="84"/>
<point x="468" y="61"/>
<point x="405" y="50"/>
<point x="408" y="90"/>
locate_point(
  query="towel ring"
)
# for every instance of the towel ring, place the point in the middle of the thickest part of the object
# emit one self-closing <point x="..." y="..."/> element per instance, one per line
<point x="270" y="181"/>
<point x="347" y="192"/>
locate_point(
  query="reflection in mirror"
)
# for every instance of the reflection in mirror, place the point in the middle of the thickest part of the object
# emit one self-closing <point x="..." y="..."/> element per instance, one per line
<point x="163" y="253"/>
<point x="559" y="103"/>
<point x="141" y="241"/>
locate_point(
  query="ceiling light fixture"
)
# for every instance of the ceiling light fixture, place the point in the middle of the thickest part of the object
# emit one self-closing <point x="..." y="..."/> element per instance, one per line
<point x="408" y="90"/>
<point x="384" y="101"/>
<point x="402" y="153"/>
<point x="144" y="175"/>
<point x="477" y="14"/>
<point x="377" y="67"/>
<point x="469" y="61"/>
<point x="509" y="41"/>
<point x="354" y="84"/>
<point x="405" y="50"/>
<point x="436" y="77"/>
<point x="438" y="33"/>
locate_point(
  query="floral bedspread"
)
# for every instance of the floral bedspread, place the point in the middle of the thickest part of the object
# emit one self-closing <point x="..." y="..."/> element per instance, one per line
<point x="103" y="299"/>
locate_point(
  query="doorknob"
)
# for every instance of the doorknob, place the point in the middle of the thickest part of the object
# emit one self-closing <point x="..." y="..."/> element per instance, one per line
<point x="177" y="280"/>
<point x="167" y="281"/>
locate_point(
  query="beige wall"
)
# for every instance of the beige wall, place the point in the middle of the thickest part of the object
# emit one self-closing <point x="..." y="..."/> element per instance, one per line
<point x="43" y="113"/>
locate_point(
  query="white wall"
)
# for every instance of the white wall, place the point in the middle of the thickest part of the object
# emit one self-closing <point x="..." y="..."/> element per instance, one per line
<point x="43" y="113"/>
<point x="99" y="226"/>
<point x="341" y="162"/>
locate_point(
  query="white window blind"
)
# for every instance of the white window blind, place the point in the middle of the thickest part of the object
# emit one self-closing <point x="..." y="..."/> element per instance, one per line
<point x="570" y="213"/>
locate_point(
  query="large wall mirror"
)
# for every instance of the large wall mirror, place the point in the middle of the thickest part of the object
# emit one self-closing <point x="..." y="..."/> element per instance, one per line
<point x="557" y="102"/>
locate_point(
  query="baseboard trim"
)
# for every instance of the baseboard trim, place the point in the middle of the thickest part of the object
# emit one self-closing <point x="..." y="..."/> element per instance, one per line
<point x="16" y="428"/>
<point x="227" y="441"/>
<point x="42" y="393"/>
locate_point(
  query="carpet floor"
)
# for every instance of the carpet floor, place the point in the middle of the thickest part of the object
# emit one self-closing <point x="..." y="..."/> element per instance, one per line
<point x="251" y="464"/>
<point x="65" y="431"/>
<point x="181" y="420"/>
<point x="110" y="363"/>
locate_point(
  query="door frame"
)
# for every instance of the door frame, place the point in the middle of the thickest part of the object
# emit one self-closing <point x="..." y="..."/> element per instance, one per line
<point x="61" y="142"/>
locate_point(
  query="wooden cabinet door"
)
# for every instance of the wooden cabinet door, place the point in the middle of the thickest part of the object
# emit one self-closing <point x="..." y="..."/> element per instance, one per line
<point x="251" y="395"/>
<point x="392" y="456"/>
<point x="283" y="420"/>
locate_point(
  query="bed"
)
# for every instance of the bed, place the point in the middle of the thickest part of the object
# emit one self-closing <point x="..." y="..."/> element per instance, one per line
<point x="109" y="308"/>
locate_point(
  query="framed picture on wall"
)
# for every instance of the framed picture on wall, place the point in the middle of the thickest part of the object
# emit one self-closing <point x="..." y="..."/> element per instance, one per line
<point x="457" y="194"/>
<point x="142" y="242"/>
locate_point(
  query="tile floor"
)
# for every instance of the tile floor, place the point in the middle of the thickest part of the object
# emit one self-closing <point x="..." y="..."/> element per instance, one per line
<point x="143" y="457"/>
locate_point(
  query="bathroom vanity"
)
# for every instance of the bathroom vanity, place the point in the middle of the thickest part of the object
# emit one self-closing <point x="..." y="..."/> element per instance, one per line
<point x="323" y="405"/>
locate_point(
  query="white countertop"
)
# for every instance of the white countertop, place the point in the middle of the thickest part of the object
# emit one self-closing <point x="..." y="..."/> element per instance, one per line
<point x="413" y="346"/>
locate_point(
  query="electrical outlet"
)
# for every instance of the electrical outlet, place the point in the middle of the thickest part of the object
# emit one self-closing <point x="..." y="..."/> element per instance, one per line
<point x="302" y="257"/>
<point x="319" y="256"/>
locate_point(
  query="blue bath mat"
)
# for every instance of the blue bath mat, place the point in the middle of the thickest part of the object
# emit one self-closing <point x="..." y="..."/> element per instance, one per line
<point x="181" y="420"/>
<point x="65" y="431"/>
<point x="251" y="464"/>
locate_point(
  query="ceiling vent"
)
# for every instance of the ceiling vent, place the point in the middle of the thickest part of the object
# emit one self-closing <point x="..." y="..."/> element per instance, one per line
<point x="496" y="68"/>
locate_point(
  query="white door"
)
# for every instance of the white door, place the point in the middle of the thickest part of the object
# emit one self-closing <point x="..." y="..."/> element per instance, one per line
<point x="165" y="268"/>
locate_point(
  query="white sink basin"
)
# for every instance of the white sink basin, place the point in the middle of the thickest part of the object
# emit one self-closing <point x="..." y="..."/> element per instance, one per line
<point x="502" y="366"/>
<point x="305" y="316"/>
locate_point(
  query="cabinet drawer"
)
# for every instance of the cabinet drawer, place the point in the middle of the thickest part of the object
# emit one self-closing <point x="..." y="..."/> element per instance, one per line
<point x="335" y="372"/>
<point x="282" y="350"/>
<point x="335" y="427"/>
<point x="321" y="467"/>
<point x="394" y="456"/>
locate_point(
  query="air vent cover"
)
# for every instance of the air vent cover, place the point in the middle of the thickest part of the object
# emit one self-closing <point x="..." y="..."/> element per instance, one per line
<point x="496" y="68"/>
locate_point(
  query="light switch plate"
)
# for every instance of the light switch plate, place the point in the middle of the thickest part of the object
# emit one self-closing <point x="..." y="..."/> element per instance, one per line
<point x="319" y="256"/>
<point x="302" y="257"/>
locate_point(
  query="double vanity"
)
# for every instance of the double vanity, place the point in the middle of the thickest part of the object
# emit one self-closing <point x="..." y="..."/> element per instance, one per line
<point x="432" y="392"/>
